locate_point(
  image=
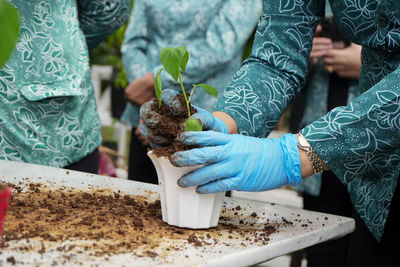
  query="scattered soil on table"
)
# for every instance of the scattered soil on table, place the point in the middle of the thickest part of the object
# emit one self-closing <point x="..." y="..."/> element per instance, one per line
<point x="114" y="222"/>
<point x="170" y="126"/>
<point x="3" y="187"/>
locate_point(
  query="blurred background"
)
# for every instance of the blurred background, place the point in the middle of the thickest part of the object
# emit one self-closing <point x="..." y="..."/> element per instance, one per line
<point x="109" y="79"/>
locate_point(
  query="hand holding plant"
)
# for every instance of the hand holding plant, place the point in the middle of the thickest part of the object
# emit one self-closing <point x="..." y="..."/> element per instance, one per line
<point x="165" y="118"/>
<point x="174" y="61"/>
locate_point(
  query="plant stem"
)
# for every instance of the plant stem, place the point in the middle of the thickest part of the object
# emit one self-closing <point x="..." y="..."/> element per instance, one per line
<point x="184" y="93"/>
<point x="191" y="93"/>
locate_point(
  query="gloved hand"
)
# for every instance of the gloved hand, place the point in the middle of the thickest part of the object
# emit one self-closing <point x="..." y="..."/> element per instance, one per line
<point x="151" y="119"/>
<point x="238" y="162"/>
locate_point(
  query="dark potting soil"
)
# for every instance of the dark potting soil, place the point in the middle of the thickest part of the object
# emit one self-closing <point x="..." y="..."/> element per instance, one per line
<point x="170" y="126"/>
<point x="111" y="223"/>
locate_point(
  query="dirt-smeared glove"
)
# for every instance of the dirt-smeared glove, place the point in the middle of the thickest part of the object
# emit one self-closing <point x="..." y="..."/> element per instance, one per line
<point x="152" y="120"/>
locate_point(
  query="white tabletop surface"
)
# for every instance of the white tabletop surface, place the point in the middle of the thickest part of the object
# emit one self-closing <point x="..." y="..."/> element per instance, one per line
<point x="308" y="227"/>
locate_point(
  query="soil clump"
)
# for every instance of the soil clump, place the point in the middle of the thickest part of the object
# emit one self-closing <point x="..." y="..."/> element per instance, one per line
<point x="170" y="126"/>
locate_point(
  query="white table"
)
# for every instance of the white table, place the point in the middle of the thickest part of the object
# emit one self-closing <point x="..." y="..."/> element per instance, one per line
<point x="308" y="227"/>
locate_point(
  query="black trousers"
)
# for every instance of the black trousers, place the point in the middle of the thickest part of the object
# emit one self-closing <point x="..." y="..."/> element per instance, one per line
<point x="90" y="163"/>
<point x="140" y="166"/>
<point x="333" y="199"/>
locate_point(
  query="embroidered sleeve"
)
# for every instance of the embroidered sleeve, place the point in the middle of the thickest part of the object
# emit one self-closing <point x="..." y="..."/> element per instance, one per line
<point x="268" y="81"/>
<point x="99" y="19"/>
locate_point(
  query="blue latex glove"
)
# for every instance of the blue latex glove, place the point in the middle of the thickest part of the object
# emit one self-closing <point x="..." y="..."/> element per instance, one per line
<point x="238" y="162"/>
<point x="169" y="98"/>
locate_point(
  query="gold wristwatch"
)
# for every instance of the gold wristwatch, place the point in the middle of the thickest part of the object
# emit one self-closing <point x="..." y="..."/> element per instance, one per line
<point x="312" y="156"/>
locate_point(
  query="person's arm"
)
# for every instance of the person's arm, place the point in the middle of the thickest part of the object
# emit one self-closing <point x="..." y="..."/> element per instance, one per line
<point x="223" y="40"/>
<point x="352" y="139"/>
<point x="99" y="19"/>
<point x="306" y="167"/>
<point x="271" y="77"/>
<point x="136" y="41"/>
<point x="228" y="120"/>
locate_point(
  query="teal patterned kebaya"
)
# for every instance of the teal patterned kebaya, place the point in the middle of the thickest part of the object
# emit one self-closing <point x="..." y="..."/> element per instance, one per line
<point x="316" y="106"/>
<point x="359" y="142"/>
<point x="47" y="104"/>
<point x="213" y="31"/>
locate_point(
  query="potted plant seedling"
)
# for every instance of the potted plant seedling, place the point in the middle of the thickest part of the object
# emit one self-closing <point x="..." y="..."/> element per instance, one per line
<point x="183" y="207"/>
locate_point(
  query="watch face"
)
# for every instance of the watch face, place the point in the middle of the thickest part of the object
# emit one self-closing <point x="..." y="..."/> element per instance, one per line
<point x="302" y="141"/>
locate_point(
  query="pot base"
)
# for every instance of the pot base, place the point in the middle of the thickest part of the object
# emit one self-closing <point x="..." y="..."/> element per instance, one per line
<point x="183" y="206"/>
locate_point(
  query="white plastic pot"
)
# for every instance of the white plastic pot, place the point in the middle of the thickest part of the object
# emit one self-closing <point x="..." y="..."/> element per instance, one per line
<point x="183" y="206"/>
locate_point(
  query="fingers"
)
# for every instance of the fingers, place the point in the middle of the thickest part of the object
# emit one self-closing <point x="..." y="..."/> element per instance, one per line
<point x="318" y="53"/>
<point x="209" y="173"/>
<point x="322" y="42"/>
<point x="129" y="90"/>
<point x="204" y="117"/>
<point x="209" y="122"/>
<point x="205" y="138"/>
<point x="137" y="131"/>
<point x="345" y="62"/>
<point x="171" y="100"/>
<point x="221" y="185"/>
<point x="321" y="46"/>
<point x="332" y="60"/>
<point x="139" y="91"/>
<point x="141" y="137"/>
<point x="233" y="182"/>
<point x="153" y="145"/>
<point x="152" y="119"/>
<point x="144" y="140"/>
<point x="318" y="29"/>
<point x="198" y="156"/>
<point x="155" y="140"/>
<point x="313" y="61"/>
<point x="332" y="66"/>
<point x="149" y="117"/>
<point x="334" y="55"/>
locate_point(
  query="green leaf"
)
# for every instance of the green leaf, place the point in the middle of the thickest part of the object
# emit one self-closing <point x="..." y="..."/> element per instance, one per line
<point x="173" y="59"/>
<point x="209" y="89"/>
<point x="158" y="87"/>
<point x="184" y="60"/>
<point x="9" y="30"/>
<point x="192" y="125"/>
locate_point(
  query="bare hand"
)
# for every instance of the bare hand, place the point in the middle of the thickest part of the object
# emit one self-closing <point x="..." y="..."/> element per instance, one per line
<point x="320" y="47"/>
<point x="345" y="62"/>
<point x="140" y="90"/>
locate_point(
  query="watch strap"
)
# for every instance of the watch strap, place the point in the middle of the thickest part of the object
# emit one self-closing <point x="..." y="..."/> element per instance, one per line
<point x="315" y="160"/>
